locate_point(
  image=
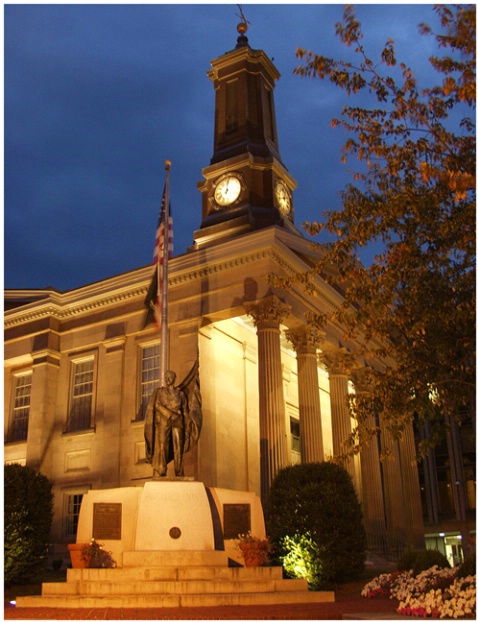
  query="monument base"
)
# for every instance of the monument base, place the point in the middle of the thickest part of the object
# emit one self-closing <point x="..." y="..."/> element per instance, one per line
<point x="169" y="514"/>
<point x="173" y="542"/>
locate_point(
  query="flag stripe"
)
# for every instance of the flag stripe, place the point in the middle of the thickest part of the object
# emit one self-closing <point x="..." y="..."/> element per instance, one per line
<point x="153" y="298"/>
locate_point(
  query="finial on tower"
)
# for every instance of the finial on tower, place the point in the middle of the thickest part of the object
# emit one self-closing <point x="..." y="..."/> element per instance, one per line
<point x="242" y="40"/>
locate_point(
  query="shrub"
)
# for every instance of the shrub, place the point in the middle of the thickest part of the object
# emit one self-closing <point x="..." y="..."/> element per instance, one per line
<point x="428" y="558"/>
<point x="302" y="559"/>
<point x="421" y="560"/>
<point x="314" y="518"/>
<point x="28" y="513"/>
<point x="407" y="559"/>
<point x="467" y="568"/>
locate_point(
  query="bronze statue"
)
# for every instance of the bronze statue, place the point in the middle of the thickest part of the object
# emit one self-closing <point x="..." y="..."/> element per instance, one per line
<point x="173" y="422"/>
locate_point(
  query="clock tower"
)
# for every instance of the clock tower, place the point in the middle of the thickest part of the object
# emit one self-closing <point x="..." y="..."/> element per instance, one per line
<point x="246" y="186"/>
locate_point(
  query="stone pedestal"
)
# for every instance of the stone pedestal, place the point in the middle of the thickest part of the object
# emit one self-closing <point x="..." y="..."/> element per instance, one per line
<point x="174" y="516"/>
<point x="170" y="515"/>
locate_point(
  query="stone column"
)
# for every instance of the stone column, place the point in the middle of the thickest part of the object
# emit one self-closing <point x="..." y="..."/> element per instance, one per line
<point x="267" y="315"/>
<point x="411" y="490"/>
<point x="372" y="494"/>
<point x="394" y="498"/>
<point x="305" y="341"/>
<point x="373" y="504"/>
<point x="340" y="413"/>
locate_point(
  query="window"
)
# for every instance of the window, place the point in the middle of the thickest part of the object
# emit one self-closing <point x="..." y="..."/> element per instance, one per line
<point x="295" y="434"/>
<point x="21" y="408"/>
<point x="81" y="403"/>
<point x="149" y="376"/>
<point x="295" y="440"/>
<point x="72" y="512"/>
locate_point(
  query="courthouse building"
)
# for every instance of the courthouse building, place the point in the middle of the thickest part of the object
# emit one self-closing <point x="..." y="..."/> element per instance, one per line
<point x="80" y="365"/>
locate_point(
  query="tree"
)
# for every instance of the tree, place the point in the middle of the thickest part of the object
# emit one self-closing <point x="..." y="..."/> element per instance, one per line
<point x="413" y="309"/>
<point x="28" y="517"/>
<point x="315" y="523"/>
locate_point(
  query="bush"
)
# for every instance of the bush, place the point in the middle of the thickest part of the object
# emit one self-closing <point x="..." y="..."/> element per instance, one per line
<point x="467" y="568"/>
<point x="28" y="512"/>
<point x="418" y="561"/>
<point x="428" y="558"/>
<point x="407" y="559"/>
<point x="315" y="523"/>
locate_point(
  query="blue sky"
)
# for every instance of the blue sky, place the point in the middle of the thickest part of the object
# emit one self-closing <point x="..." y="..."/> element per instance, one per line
<point x="97" y="97"/>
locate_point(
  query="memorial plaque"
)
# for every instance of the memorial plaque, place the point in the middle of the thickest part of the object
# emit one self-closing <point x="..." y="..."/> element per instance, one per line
<point x="237" y="519"/>
<point x="107" y="521"/>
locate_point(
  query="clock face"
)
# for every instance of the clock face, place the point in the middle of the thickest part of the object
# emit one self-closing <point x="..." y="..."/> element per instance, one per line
<point x="227" y="190"/>
<point x="282" y="197"/>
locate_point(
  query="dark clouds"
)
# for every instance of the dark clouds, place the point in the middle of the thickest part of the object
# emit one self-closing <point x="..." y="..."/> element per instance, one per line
<point x="98" y="96"/>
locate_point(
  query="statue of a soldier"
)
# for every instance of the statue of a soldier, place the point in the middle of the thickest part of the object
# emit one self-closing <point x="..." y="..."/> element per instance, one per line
<point x="173" y="422"/>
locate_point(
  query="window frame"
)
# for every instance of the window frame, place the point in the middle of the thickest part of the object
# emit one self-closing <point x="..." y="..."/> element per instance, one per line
<point x="141" y="396"/>
<point x="71" y="519"/>
<point x="11" y="437"/>
<point x="74" y="363"/>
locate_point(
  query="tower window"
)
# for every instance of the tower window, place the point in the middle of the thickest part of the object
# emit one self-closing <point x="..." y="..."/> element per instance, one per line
<point x="21" y="408"/>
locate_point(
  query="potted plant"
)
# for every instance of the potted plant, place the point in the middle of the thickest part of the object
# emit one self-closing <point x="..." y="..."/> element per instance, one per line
<point x="91" y="555"/>
<point x="75" y="549"/>
<point x="255" y="551"/>
<point x="95" y="556"/>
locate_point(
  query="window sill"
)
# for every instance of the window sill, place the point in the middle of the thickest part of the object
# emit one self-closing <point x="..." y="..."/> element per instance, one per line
<point x="79" y="432"/>
<point x="15" y="442"/>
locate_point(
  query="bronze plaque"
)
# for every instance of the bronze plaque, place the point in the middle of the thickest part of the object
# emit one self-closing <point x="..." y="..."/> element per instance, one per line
<point x="237" y="519"/>
<point x="107" y="521"/>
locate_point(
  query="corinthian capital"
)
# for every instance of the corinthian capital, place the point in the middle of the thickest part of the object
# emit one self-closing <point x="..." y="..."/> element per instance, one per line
<point x="268" y="312"/>
<point x="338" y="361"/>
<point x="305" y="339"/>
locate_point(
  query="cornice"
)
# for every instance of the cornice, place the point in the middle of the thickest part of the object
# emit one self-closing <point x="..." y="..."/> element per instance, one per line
<point x="273" y="244"/>
<point x="65" y="309"/>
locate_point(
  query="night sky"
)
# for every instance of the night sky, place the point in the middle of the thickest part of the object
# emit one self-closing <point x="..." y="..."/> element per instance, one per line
<point x="97" y="97"/>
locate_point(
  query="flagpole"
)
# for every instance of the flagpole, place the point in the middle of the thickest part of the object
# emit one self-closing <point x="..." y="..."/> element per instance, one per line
<point x="164" y="347"/>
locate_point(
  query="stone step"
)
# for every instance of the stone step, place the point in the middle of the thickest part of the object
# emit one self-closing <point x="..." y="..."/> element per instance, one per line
<point x="118" y="588"/>
<point x="184" y="600"/>
<point x="174" y="558"/>
<point x="171" y="573"/>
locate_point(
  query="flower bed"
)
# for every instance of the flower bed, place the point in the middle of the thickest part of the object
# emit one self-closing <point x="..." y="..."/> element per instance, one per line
<point x="436" y="592"/>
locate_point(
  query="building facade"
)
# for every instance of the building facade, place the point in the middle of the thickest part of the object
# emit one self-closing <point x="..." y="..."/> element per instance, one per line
<point x="80" y="365"/>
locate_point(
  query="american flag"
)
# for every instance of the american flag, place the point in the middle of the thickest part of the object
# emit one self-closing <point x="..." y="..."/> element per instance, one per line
<point x="153" y="298"/>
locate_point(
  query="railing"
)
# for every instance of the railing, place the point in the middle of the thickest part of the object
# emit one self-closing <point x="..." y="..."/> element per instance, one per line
<point x="389" y="548"/>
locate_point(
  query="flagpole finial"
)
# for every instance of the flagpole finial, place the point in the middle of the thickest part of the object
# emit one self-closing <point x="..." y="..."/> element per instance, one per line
<point x="167" y="165"/>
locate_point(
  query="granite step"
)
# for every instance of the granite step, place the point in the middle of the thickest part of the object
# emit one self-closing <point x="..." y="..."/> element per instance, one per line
<point x="176" y="600"/>
<point x="118" y="588"/>
<point x="175" y="573"/>
<point x="174" y="558"/>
